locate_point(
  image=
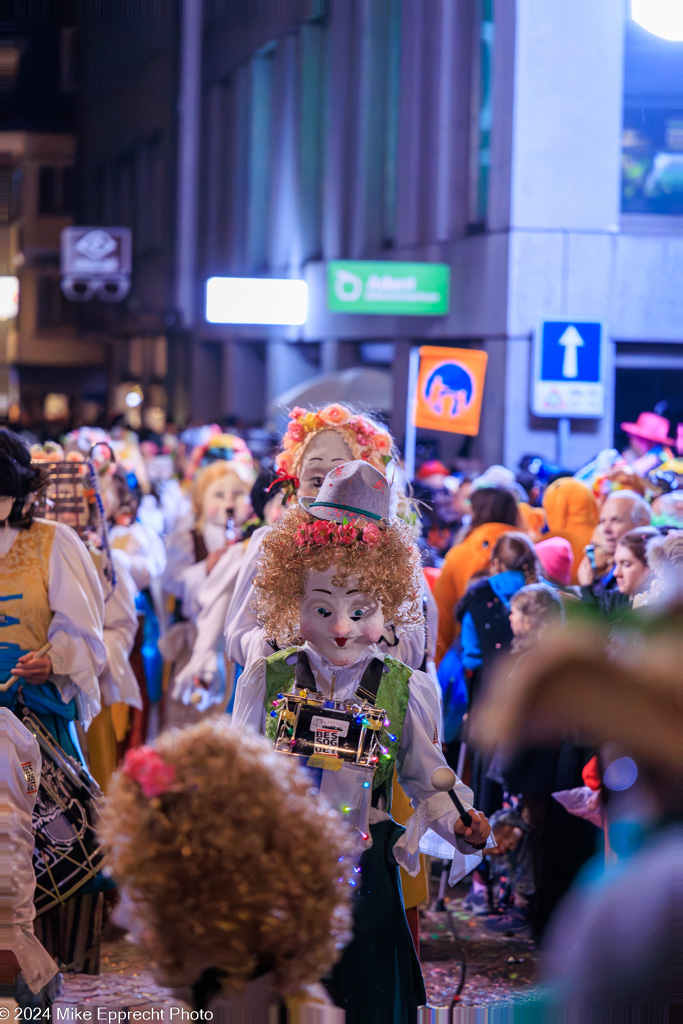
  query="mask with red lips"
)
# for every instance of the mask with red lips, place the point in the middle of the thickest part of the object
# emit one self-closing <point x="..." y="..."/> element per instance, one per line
<point x="340" y="622"/>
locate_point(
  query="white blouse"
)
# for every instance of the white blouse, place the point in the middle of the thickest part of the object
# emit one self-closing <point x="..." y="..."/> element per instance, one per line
<point x="117" y="682"/>
<point x="213" y="599"/>
<point x="419" y="752"/>
<point x="75" y="598"/>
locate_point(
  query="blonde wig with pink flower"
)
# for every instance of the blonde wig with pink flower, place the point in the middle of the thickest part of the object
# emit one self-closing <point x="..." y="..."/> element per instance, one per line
<point x="365" y="438"/>
<point x="383" y="559"/>
<point x="228" y="860"/>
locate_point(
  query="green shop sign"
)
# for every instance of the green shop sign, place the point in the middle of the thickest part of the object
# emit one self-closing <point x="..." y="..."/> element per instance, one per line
<point x="391" y="289"/>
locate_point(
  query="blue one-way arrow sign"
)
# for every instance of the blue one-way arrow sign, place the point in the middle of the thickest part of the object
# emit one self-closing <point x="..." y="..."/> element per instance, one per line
<point x="569" y="368"/>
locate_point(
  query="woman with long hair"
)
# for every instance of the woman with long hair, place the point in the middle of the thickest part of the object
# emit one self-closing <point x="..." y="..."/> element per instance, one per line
<point x="494" y="513"/>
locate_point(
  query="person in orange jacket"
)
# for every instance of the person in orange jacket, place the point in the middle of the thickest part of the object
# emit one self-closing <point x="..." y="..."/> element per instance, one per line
<point x="572" y="513"/>
<point x="494" y="512"/>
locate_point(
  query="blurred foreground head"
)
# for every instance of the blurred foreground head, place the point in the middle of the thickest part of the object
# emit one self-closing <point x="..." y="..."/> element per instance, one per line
<point x="229" y="862"/>
<point x="627" y="695"/>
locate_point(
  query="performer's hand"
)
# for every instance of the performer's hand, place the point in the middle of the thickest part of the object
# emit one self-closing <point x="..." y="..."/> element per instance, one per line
<point x="585" y="573"/>
<point x="33" y="670"/>
<point x="479" y="831"/>
<point x="201" y="684"/>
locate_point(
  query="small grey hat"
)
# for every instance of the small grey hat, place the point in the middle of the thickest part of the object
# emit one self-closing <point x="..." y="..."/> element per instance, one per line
<point x="355" y="492"/>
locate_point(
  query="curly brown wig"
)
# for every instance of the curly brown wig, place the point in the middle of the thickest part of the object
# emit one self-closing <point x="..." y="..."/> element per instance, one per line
<point x="234" y="865"/>
<point x="390" y="570"/>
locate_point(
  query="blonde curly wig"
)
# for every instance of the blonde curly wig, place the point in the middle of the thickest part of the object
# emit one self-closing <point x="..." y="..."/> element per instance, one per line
<point x="389" y="570"/>
<point x="235" y="865"/>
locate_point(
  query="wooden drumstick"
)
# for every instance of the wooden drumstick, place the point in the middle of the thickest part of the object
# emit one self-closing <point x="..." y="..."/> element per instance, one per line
<point x="15" y="679"/>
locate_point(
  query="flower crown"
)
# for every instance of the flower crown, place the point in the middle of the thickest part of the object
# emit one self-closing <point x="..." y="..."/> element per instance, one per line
<point x="219" y="446"/>
<point x="322" y="533"/>
<point x="374" y="444"/>
<point x="153" y="775"/>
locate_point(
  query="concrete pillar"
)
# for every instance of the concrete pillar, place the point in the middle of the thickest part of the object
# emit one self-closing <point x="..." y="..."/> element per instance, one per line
<point x="564" y="195"/>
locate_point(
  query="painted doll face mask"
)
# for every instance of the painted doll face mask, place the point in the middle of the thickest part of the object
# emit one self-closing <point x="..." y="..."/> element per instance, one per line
<point x="326" y="451"/>
<point x="340" y="622"/>
<point x="226" y="498"/>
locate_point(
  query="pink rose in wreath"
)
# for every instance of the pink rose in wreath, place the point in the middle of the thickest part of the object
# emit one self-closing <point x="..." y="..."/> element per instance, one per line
<point x="321" y="533"/>
<point x="382" y="443"/>
<point x="296" y="432"/>
<point x="334" y="415"/>
<point x="296" y="412"/>
<point x="371" y="534"/>
<point x="348" y="533"/>
<point x="144" y="766"/>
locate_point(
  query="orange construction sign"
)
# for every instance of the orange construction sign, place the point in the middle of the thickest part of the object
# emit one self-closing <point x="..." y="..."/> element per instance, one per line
<point x="450" y="388"/>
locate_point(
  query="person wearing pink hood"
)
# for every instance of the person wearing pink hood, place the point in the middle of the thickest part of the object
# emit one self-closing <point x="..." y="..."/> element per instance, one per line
<point x="572" y="513"/>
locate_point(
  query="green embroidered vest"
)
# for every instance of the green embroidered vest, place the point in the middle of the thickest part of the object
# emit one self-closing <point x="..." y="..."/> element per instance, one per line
<point x="392" y="696"/>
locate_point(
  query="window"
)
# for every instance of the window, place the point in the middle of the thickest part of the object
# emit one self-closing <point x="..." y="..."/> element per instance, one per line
<point x="56" y="191"/>
<point x="652" y="139"/>
<point x="482" y="110"/>
<point x="16" y="196"/>
<point x="260" y="127"/>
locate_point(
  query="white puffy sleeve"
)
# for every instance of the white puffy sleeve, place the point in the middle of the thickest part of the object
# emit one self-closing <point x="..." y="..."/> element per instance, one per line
<point x="118" y="682"/>
<point x="19" y="780"/>
<point x="243" y="635"/>
<point x="78" y="652"/>
<point x="213" y="599"/>
<point x="418" y="755"/>
<point x="249" y="711"/>
<point x="146" y="552"/>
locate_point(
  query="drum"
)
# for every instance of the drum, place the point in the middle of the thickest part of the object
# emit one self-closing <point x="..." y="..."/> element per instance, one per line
<point x="310" y="725"/>
<point x="67" y="850"/>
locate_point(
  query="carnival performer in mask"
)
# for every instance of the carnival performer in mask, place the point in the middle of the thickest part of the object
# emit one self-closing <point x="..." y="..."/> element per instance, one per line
<point x="221" y="506"/>
<point x="332" y="572"/>
<point x="201" y="680"/>
<point x="315" y="442"/>
<point x="72" y="496"/>
<point x="52" y="648"/>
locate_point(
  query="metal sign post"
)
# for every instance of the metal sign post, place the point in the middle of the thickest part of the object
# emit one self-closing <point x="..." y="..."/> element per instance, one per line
<point x="411" y="428"/>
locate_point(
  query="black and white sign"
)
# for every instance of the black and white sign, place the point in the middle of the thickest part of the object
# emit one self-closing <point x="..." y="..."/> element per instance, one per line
<point x="96" y="261"/>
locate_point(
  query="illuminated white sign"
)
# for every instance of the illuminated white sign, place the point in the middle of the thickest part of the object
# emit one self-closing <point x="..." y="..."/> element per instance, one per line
<point x="256" y="300"/>
<point x="9" y="297"/>
<point x="663" y="18"/>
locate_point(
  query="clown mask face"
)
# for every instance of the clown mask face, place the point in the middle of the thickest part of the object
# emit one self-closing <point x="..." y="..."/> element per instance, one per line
<point x="340" y="622"/>
<point x="225" y="498"/>
<point x="326" y="451"/>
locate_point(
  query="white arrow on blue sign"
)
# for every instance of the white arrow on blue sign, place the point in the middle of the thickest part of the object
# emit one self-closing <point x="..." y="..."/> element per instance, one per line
<point x="569" y="368"/>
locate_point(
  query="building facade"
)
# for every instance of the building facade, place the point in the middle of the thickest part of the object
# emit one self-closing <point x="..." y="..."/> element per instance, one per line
<point x="534" y="148"/>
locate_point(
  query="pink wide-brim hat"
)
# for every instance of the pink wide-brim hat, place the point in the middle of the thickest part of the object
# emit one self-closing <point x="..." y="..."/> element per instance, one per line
<point x="355" y="492"/>
<point x="650" y="426"/>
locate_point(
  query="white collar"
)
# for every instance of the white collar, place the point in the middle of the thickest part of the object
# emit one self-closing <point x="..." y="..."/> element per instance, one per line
<point x="321" y="666"/>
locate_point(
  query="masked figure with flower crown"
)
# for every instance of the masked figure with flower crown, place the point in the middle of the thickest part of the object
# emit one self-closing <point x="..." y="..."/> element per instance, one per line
<point x="332" y="573"/>
<point x="211" y="534"/>
<point x="72" y="497"/>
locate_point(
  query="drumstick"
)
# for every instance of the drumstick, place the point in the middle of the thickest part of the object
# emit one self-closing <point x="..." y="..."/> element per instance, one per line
<point x="443" y="779"/>
<point x="15" y="679"/>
